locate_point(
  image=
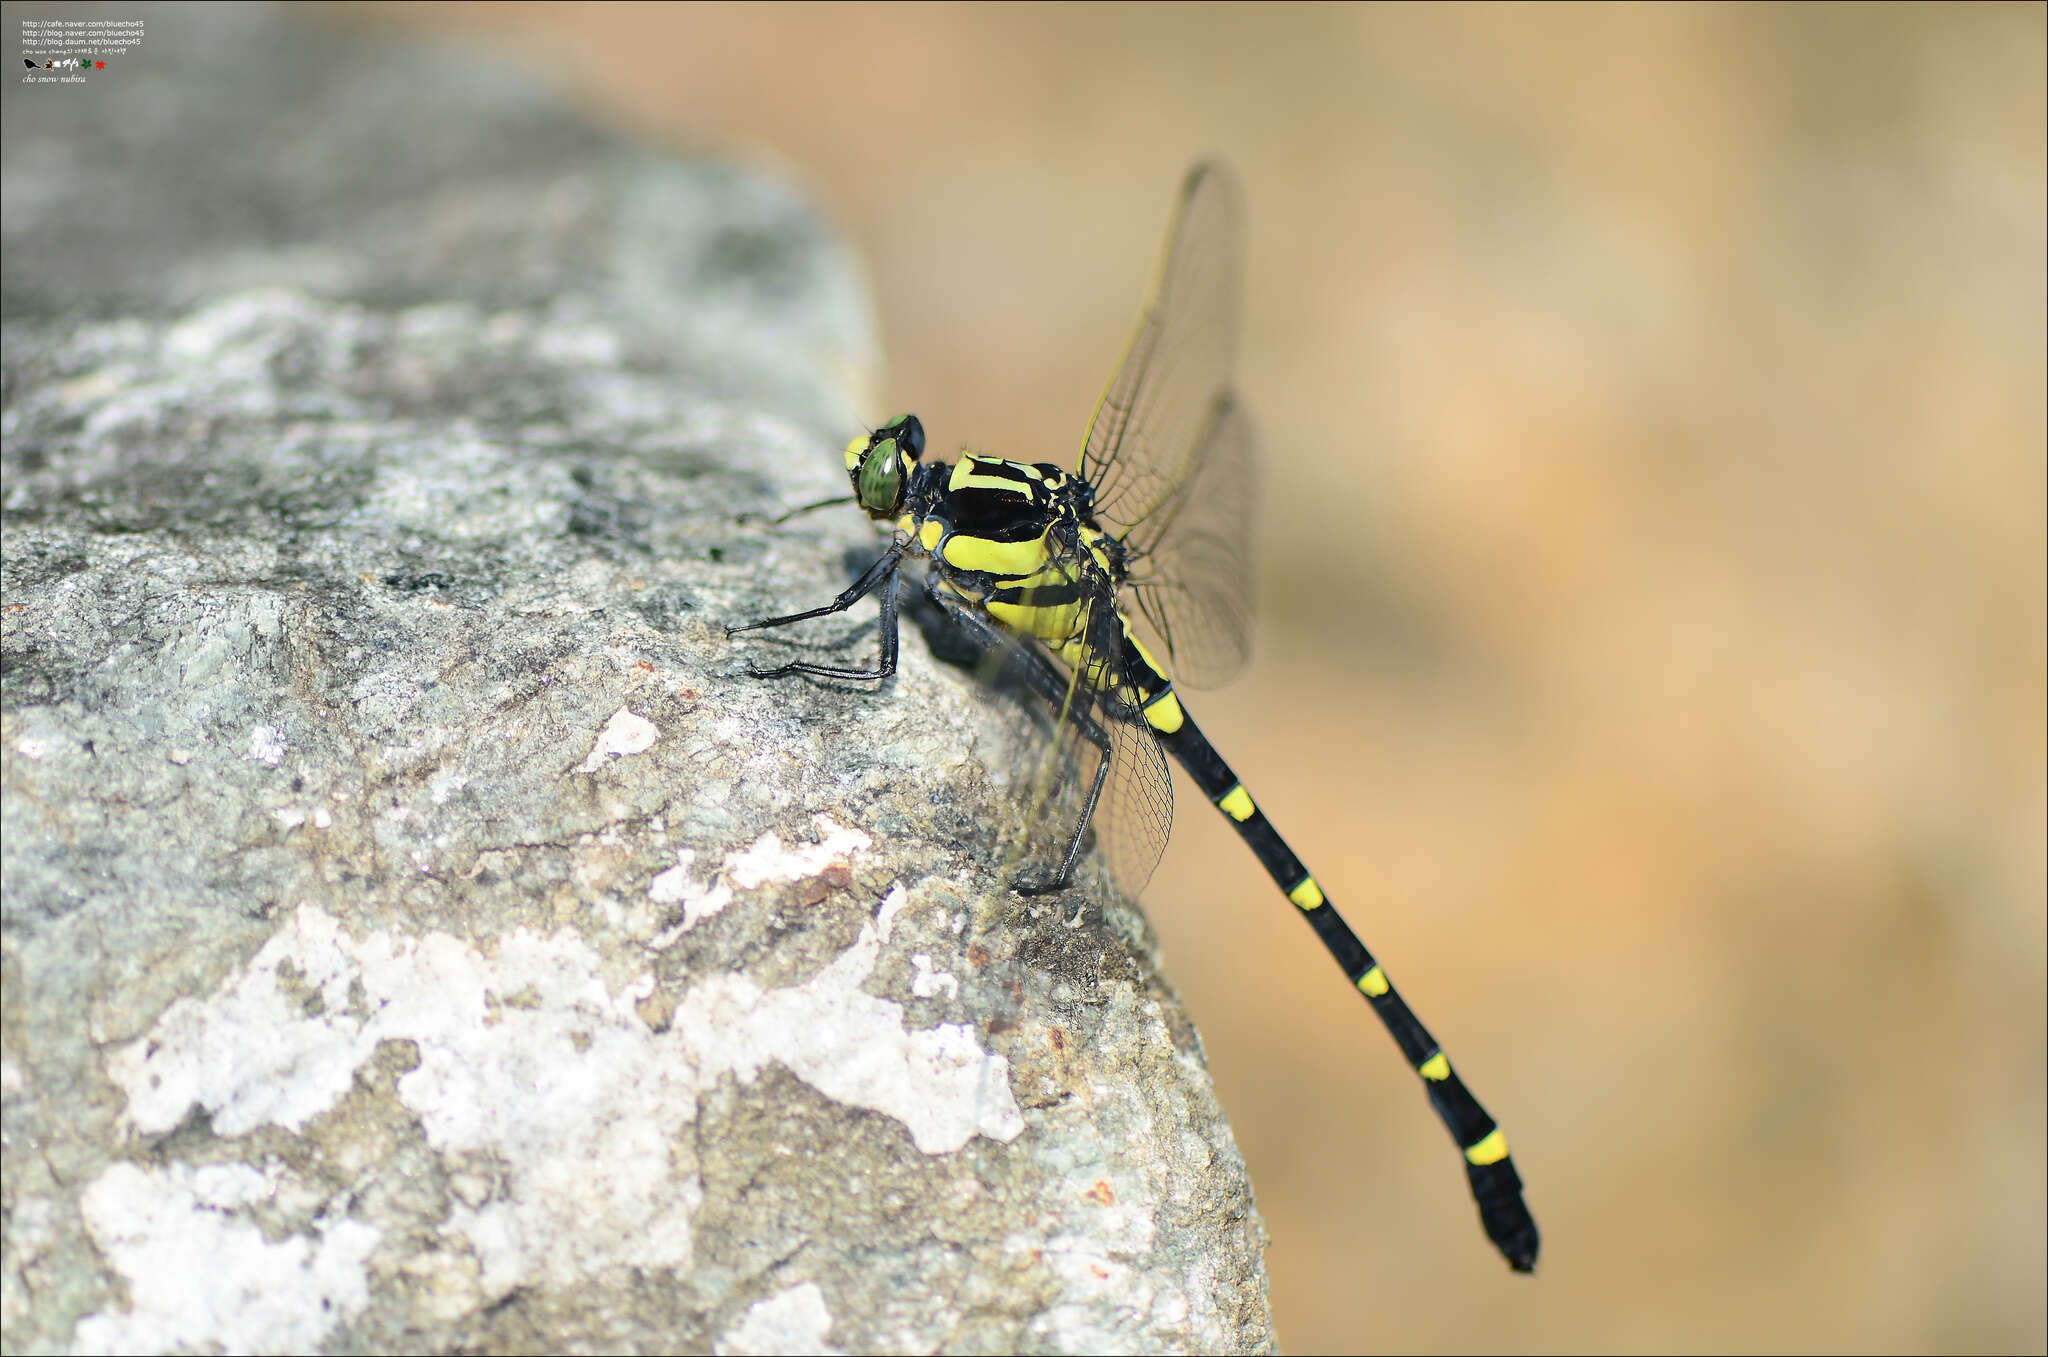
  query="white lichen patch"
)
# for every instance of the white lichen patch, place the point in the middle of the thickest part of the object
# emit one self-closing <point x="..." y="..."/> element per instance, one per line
<point x="626" y="733"/>
<point x="853" y="1048"/>
<point x="928" y="982"/>
<point x="769" y="860"/>
<point x="200" y="1276"/>
<point x="764" y="861"/>
<point x="793" y="1322"/>
<point x="266" y="745"/>
<point x="564" y="1085"/>
<point x="249" y="1054"/>
<point x="569" y="1087"/>
<point x="892" y="905"/>
<point x="699" y="899"/>
<point x="445" y="784"/>
<point x="526" y="1058"/>
<point x="1098" y="1229"/>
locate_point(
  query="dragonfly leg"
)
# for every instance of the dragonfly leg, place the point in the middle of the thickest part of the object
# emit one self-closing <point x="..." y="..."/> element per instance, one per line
<point x="1059" y="881"/>
<point x="1066" y="698"/>
<point x="852" y="594"/>
<point x="885" y="572"/>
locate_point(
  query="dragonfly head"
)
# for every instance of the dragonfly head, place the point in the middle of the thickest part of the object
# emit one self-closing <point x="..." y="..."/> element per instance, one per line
<point x="880" y="464"/>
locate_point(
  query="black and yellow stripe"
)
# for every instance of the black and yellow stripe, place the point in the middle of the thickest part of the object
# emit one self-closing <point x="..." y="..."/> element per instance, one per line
<point x="1038" y="565"/>
<point x="1496" y="1187"/>
<point x="1034" y="569"/>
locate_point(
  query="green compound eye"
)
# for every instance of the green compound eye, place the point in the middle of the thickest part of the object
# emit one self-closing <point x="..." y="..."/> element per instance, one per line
<point x="881" y="478"/>
<point x="1045" y="571"/>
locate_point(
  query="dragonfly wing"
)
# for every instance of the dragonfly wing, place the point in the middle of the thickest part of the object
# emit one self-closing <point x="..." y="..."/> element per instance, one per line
<point x="1101" y="736"/>
<point x="1136" y="814"/>
<point x="1192" y="580"/>
<point x="1142" y="437"/>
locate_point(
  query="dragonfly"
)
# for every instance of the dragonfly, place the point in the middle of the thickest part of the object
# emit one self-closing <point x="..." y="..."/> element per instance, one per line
<point x="1063" y="576"/>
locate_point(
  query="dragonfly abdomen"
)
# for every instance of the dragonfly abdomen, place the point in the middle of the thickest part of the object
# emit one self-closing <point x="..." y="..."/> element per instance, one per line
<point x="1037" y="565"/>
<point x="1490" y="1171"/>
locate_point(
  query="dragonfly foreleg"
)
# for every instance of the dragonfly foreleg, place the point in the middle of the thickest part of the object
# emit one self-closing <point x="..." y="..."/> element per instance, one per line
<point x="887" y="573"/>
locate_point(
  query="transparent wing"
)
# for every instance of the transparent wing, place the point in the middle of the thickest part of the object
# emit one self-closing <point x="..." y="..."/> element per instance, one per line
<point x="1143" y="436"/>
<point x="1135" y="815"/>
<point x="1191" y="577"/>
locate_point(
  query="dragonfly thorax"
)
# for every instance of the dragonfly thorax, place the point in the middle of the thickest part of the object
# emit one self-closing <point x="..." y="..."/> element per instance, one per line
<point x="1051" y="596"/>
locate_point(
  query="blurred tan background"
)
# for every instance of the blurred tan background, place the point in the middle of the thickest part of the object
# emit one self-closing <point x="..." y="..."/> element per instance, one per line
<point x="1652" y="645"/>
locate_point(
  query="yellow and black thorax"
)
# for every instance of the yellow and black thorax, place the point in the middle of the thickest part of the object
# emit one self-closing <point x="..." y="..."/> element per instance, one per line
<point x="1020" y="541"/>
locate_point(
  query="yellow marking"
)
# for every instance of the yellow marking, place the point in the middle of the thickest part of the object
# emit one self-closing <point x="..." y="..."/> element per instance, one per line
<point x="1373" y="983"/>
<point x="1164" y="714"/>
<point x="1088" y="668"/>
<point x="1143" y="653"/>
<point x="1237" y="804"/>
<point x="1094" y="540"/>
<point x="1048" y="624"/>
<point x="929" y="534"/>
<point x="1061" y="625"/>
<point x="1310" y="896"/>
<point x="964" y="478"/>
<point x="1436" y="1069"/>
<point x="1490" y="1150"/>
<point x="964" y="552"/>
<point x="855" y="451"/>
<point x="1082" y="658"/>
<point x="1002" y="484"/>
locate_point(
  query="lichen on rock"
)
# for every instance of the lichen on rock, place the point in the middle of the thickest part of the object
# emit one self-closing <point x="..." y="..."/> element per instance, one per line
<point x="419" y="933"/>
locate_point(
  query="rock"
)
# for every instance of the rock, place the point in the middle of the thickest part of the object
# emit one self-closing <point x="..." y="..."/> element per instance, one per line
<point x="419" y="932"/>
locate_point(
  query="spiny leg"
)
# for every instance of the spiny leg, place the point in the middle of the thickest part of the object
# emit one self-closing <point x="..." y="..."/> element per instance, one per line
<point x="882" y="670"/>
<point x="852" y="594"/>
<point x="886" y="572"/>
<point x="1068" y="700"/>
<point x="1091" y="730"/>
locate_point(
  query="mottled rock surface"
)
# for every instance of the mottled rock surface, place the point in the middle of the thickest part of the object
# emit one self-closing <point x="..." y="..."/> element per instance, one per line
<point x="419" y="934"/>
